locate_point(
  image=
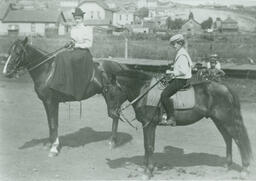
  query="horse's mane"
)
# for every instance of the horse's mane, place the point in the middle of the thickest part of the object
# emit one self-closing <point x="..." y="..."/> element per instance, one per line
<point x="117" y="69"/>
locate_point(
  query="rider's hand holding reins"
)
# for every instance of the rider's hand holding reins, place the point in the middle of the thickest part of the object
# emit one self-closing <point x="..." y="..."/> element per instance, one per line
<point x="69" y="44"/>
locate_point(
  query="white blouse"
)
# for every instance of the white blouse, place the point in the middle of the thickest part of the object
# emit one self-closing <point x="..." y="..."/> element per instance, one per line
<point x="82" y="35"/>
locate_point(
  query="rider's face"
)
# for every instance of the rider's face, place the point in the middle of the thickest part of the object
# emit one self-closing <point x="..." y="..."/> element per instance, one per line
<point x="176" y="45"/>
<point x="78" y="19"/>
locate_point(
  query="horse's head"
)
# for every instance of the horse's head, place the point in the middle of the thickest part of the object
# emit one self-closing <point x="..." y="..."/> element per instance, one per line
<point x="114" y="95"/>
<point x="16" y="58"/>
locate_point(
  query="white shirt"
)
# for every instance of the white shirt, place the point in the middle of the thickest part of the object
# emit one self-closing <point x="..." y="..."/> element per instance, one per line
<point x="217" y="66"/>
<point x="82" y="35"/>
<point x="182" y="67"/>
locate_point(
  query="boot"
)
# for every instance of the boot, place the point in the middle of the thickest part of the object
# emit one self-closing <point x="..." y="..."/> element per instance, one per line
<point x="171" y="121"/>
<point x="170" y="114"/>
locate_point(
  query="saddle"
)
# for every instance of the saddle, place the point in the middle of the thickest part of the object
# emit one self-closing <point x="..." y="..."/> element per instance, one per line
<point x="183" y="99"/>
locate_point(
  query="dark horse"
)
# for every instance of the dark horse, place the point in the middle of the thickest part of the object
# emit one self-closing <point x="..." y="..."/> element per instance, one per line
<point x="24" y="56"/>
<point x="212" y="100"/>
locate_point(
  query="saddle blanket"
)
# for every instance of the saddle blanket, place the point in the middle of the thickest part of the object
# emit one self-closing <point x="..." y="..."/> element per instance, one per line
<point x="183" y="99"/>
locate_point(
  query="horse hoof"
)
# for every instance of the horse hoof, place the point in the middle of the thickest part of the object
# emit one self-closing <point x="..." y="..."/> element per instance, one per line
<point x="227" y="167"/>
<point x="112" y="144"/>
<point x="145" y="177"/>
<point x="244" y="174"/>
<point x="47" y="146"/>
<point x="52" y="154"/>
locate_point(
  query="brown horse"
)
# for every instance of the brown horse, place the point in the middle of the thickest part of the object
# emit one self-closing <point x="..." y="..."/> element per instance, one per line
<point x="212" y="100"/>
<point x="24" y="56"/>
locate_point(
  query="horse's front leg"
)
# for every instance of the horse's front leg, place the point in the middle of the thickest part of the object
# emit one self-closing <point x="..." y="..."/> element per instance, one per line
<point x="113" y="138"/>
<point x="52" y="109"/>
<point x="149" y="146"/>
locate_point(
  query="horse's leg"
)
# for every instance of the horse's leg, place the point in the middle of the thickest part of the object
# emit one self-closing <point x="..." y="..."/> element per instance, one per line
<point x="228" y="141"/>
<point x="149" y="146"/>
<point x="113" y="138"/>
<point x="52" y="109"/>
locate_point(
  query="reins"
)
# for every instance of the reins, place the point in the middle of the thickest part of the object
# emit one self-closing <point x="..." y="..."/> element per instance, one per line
<point x="142" y="95"/>
<point x="122" y="117"/>
<point x="51" y="55"/>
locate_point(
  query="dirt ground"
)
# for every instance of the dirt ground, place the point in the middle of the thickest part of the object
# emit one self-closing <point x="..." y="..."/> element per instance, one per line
<point x="191" y="152"/>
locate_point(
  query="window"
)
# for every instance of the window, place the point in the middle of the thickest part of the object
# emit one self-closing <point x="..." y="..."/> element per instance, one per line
<point x="120" y="17"/>
<point x="98" y="15"/>
<point x="127" y="17"/>
<point x="92" y="13"/>
<point x="13" y="27"/>
<point x="33" y="27"/>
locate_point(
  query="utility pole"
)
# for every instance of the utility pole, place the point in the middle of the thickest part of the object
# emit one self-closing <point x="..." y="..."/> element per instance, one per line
<point x="126" y="48"/>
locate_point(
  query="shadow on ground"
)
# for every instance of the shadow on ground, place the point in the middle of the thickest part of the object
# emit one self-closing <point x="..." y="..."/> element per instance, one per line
<point x="80" y="138"/>
<point x="173" y="157"/>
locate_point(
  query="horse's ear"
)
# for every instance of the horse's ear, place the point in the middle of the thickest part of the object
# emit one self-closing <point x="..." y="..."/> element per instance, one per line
<point x="25" y="41"/>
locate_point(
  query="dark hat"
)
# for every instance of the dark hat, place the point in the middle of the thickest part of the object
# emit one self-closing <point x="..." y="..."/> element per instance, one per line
<point x="78" y="12"/>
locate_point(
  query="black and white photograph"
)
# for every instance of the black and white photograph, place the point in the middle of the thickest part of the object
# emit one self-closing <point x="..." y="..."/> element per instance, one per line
<point x="127" y="90"/>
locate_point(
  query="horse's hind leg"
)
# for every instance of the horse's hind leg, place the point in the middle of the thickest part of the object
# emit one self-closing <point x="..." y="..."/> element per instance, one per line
<point x="149" y="146"/>
<point x="235" y="128"/>
<point x="228" y="141"/>
<point x="52" y="109"/>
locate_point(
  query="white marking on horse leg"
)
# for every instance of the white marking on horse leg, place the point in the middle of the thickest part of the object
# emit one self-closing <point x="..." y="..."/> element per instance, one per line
<point x="54" y="147"/>
<point x="6" y="64"/>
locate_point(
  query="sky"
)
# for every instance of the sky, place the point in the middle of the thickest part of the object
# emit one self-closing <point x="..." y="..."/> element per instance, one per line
<point x="222" y="2"/>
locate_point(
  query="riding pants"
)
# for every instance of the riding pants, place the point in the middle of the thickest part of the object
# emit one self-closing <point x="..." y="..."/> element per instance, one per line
<point x="171" y="89"/>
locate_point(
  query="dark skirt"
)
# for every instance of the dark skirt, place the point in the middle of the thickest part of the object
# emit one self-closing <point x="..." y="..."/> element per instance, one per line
<point x="73" y="72"/>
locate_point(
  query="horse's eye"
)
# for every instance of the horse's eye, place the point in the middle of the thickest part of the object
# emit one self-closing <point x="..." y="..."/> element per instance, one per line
<point x="105" y="90"/>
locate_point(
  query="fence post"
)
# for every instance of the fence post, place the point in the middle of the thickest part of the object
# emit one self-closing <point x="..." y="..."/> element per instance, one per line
<point x="126" y="48"/>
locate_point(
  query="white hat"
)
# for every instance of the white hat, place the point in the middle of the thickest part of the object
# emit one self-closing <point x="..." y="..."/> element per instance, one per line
<point x="176" y="37"/>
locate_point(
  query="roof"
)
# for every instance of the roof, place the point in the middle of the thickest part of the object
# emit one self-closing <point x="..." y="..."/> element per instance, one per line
<point x="3" y="9"/>
<point x="192" y="20"/>
<point x="229" y="20"/>
<point x="97" y="22"/>
<point x="33" y="16"/>
<point x="99" y="2"/>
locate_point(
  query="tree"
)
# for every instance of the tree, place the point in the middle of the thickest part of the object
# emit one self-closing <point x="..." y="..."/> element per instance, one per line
<point x="142" y="13"/>
<point x="207" y="24"/>
<point x="191" y="15"/>
<point x="168" y="22"/>
<point x="174" y="24"/>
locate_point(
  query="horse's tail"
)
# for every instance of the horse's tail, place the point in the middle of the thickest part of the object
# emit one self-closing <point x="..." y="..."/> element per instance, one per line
<point x="241" y="138"/>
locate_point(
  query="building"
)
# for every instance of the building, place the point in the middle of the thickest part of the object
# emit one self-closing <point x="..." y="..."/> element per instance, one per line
<point x="191" y="26"/>
<point x="33" y="22"/>
<point x="4" y="8"/>
<point x="138" y="28"/>
<point x="123" y="17"/>
<point x="97" y="13"/>
<point x="229" y="25"/>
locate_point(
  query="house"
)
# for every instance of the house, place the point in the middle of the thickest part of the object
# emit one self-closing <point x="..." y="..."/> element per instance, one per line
<point x="139" y="28"/>
<point x="4" y="8"/>
<point x="33" y="22"/>
<point x="191" y="26"/>
<point x="97" y="13"/>
<point x="229" y="25"/>
<point x="123" y="17"/>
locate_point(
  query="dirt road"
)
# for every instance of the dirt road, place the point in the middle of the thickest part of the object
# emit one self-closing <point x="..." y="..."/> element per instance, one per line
<point x="192" y="152"/>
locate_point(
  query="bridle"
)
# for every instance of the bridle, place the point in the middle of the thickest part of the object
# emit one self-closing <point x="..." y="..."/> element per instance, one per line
<point x="19" y="59"/>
